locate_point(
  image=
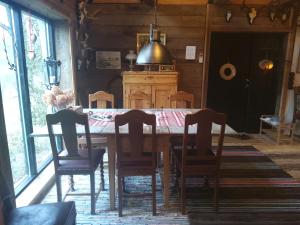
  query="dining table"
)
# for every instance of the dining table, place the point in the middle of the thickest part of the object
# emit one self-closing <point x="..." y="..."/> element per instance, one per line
<point x="169" y="122"/>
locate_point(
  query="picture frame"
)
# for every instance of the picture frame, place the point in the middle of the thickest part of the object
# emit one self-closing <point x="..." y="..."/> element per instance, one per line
<point x="108" y="60"/>
<point x="144" y="38"/>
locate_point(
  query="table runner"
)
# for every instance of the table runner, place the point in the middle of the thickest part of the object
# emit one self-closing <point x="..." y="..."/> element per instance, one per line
<point x="163" y="118"/>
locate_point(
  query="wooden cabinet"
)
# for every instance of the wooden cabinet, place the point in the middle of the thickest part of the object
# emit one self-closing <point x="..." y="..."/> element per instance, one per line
<point x="160" y="85"/>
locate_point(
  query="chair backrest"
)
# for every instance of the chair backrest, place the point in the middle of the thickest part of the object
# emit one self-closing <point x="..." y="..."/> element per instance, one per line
<point x="68" y="119"/>
<point x="132" y="145"/>
<point x="182" y="99"/>
<point x="139" y="100"/>
<point x="204" y="120"/>
<point x="101" y="98"/>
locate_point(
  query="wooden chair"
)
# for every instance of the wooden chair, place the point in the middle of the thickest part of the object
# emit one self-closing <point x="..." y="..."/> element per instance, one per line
<point x="74" y="161"/>
<point x="139" y="100"/>
<point x="182" y="99"/>
<point x="136" y="155"/>
<point x="196" y="157"/>
<point x="102" y="99"/>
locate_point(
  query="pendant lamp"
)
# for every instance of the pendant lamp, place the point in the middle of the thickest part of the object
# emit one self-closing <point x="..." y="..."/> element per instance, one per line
<point x="154" y="52"/>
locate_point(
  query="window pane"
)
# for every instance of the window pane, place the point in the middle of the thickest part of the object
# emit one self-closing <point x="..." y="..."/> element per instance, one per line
<point x="11" y="101"/>
<point x="36" y="38"/>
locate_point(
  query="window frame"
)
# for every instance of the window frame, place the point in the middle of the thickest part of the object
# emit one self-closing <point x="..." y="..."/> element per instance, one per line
<point x="23" y="88"/>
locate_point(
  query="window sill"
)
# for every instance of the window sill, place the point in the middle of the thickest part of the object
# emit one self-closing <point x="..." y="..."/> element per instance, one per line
<point x="38" y="188"/>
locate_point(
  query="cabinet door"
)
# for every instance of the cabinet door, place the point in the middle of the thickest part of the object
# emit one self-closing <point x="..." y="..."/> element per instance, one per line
<point x="161" y="95"/>
<point x="131" y="88"/>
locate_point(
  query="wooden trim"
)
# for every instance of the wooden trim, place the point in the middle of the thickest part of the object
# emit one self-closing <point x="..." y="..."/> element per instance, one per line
<point x="116" y="1"/>
<point x="205" y="68"/>
<point x="240" y="29"/>
<point x="188" y="2"/>
<point x="290" y="42"/>
<point x="73" y="48"/>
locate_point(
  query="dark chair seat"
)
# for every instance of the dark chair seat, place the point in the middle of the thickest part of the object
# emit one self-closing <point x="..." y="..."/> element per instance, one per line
<point x="81" y="166"/>
<point x="43" y="214"/>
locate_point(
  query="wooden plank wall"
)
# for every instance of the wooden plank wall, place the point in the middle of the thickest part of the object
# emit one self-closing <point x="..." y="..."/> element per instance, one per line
<point x="113" y="27"/>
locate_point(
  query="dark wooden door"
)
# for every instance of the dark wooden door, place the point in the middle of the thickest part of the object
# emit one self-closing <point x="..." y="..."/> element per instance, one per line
<point x="251" y="92"/>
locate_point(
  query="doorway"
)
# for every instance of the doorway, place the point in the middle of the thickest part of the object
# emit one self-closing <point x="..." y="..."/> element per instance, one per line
<point x="252" y="91"/>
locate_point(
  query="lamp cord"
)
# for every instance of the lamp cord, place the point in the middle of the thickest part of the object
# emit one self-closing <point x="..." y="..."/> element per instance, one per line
<point x="155" y="13"/>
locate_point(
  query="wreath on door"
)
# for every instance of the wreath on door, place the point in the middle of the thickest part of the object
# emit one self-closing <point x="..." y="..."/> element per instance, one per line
<point x="227" y="71"/>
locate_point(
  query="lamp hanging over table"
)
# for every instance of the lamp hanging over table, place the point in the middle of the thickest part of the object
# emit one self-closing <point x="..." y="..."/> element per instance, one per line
<point x="154" y="52"/>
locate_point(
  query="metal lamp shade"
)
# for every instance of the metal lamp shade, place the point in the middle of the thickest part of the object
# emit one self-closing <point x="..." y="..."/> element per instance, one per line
<point x="154" y="53"/>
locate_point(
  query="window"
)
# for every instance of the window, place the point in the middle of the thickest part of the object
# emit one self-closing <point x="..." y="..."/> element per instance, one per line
<point x="26" y="39"/>
<point x="11" y="99"/>
<point x="37" y="36"/>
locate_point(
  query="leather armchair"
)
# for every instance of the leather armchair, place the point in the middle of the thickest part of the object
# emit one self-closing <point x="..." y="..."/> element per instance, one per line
<point x="63" y="213"/>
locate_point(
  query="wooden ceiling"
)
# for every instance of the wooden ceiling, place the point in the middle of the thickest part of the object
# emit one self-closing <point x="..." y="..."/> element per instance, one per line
<point x="189" y="2"/>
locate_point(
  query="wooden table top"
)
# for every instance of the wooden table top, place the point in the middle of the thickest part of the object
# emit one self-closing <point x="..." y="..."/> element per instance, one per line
<point x="168" y="122"/>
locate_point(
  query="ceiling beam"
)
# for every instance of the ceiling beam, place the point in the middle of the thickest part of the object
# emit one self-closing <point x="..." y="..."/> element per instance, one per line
<point x="116" y="1"/>
<point x="194" y="2"/>
<point x="239" y="2"/>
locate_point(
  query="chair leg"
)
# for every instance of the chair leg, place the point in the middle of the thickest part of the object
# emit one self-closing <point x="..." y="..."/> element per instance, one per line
<point x="120" y="193"/>
<point x="92" y="183"/>
<point x="102" y="175"/>
<point x="58" y="187"/>
<point x="177" y="176"/>
<point x="154" y="194"/>
<point x="182" y="194"/>
<point x="216" y="194"/>
<point x="71" y="183"/>
<point x="123" y="184"/>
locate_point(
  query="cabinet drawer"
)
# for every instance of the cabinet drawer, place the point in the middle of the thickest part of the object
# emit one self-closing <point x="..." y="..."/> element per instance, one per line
<point x="150" y="79"/>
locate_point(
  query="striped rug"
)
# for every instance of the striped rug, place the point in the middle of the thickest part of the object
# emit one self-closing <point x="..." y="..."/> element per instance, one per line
<point x="252" y="186"/>
<point x="248" y="179"/>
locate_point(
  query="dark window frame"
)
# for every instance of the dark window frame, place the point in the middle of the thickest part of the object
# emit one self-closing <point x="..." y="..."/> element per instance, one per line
<point x="25" y="106"/>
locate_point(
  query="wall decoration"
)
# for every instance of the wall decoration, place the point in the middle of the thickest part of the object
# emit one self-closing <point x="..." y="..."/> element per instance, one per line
<point x="144" y="38"/>
<point x="108" y="60"/>
<point x="252" y="14"/>
<point x="227" y="71"/>
<point x="228" y="15"/>
<point x="190" y="52"/>
<point x="272" y="14"/>
<point x="285" y="14"/>
<point x="82" y="37"/>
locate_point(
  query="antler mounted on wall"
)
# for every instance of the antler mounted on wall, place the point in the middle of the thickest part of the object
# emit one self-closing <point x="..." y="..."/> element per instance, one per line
<point x="252" y="12"/>
<point x="276" y="8"/>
